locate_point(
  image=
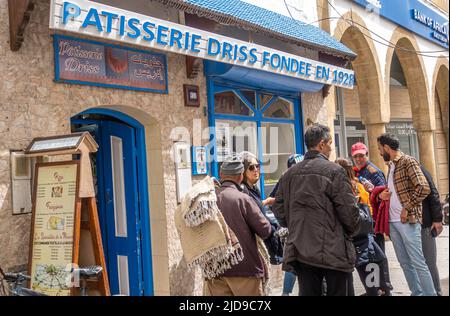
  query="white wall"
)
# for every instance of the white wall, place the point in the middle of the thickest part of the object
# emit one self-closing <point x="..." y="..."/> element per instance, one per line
<point x="385" y="29"/>
<point x="303" y="10"/>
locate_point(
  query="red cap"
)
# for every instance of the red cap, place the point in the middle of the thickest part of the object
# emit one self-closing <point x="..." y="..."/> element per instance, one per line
<point x="359" y="148"/>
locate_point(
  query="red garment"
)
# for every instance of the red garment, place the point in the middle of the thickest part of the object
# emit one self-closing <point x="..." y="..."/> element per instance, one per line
<point x="380" y="211"/>
<point x="356" y="170"/>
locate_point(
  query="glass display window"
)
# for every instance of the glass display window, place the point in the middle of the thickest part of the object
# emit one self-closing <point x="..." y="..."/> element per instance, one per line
<point x="265" y="124"/>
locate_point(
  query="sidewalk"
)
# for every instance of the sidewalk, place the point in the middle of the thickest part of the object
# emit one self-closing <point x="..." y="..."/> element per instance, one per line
<point x="396" y="273"/>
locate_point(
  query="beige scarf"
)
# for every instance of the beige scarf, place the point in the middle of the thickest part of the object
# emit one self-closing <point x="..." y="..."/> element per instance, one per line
<point x="264" y="254"/>
<point x="206" y="239"/>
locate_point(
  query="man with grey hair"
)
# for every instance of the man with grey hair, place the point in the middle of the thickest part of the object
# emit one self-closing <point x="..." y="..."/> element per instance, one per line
<point x="244" y="218"/>
<point x="315" y="202"/>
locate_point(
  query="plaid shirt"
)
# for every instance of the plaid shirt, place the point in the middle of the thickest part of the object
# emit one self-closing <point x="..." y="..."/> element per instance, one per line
<point x="411" y="185"/>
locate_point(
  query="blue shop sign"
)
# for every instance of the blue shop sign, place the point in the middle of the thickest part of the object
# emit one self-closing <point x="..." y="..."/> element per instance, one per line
<point x="414" y="16"/>
<point x="94" y="19"/>
<point x="99" y="64"/>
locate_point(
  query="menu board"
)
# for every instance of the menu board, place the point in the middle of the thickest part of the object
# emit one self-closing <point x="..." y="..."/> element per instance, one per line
<point x="53" y="229"/>
<point x="88" y="62"/>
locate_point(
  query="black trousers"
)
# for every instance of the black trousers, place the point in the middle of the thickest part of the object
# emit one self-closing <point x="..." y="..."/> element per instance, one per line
<point x="311" y="278"/>
<point x="370" y="291"/>
<point x="385" y="279"/>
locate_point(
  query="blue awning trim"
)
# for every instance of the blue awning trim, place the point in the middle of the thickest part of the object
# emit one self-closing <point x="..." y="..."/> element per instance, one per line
<point x="259" y="79"/>
<point x="251" y="17"/>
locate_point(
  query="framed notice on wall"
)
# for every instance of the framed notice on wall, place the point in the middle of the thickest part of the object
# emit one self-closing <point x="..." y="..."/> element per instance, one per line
<point x="199" y="160"/>
<point x="54" y="231"/>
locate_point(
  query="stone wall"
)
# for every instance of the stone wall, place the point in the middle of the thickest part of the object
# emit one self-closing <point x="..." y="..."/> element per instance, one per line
<point x="33" y="105"/>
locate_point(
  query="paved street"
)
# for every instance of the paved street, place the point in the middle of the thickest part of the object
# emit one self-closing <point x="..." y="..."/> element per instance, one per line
<point x="397" y="277"/>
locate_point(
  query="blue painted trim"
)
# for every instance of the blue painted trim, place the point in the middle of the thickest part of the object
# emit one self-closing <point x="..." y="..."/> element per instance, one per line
<point x="260" y="148"/>
<point x="244" y="99"/>
<point x="55" y="56"/>
<point x="235" y="117"/>
<point x="144" y="211"/>
<point x="298" y="126"/>
<point x="219" y="89"/>
<point x="212" y="129"/>
<point x="276" y="120"/>
<point x="106" y="85"/>
<point x="272" y="100"/>
<point x="253" y="118"/>
<point x="221" y="85"/>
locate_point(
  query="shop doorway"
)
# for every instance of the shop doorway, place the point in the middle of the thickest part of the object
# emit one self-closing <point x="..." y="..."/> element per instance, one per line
<point x="119" y="189"/>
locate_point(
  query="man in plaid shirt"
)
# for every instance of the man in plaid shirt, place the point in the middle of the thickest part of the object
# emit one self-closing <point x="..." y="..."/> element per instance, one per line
<point x="407" y="187"/>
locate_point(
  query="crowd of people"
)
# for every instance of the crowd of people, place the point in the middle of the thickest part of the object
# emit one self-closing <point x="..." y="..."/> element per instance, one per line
<point x="331" y="218"/>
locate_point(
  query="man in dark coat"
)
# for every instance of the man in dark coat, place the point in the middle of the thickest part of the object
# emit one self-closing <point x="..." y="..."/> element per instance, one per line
<point x="245" y="219"/>
<point x="431" y="221"/>
<point x="316" y="203"/>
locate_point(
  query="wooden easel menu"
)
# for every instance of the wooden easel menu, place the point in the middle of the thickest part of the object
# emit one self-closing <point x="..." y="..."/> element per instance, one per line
<point x="61" y="195"/>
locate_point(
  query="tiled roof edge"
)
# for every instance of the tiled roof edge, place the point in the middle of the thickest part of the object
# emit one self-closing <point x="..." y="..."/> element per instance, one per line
<point x="230" y="20"/>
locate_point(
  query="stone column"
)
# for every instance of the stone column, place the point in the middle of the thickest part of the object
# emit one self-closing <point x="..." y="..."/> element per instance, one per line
<point x="373" y="131"/>
<point x="329" y="100"/>
<point x="426" y="152"/>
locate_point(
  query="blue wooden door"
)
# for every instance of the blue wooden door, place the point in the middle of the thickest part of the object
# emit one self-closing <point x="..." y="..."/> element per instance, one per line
<point x="121" y="208"/>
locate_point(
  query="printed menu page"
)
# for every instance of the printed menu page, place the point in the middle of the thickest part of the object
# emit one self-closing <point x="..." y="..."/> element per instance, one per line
<point x="54" y="216"/>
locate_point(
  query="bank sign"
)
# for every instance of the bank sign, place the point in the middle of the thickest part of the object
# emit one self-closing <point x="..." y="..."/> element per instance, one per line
<point x="414" y="16"/>
<point x="110" y="23"/>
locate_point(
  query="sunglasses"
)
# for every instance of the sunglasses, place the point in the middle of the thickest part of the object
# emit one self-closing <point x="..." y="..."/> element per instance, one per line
<point x="253" y="167"/>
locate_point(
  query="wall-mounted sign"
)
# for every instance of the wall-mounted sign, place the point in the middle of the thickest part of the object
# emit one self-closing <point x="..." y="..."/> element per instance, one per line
<point x="199" y="160"/>
<point x="182" y="159"/>
<point x="53" y="229"/>
<point x="401" y="128"/>
<point x="413" y="15"/>
<point x="102" y="21"/>
<point x="87" y="62"/>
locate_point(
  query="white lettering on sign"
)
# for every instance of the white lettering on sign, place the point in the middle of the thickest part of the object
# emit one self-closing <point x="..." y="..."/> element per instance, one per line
<point x="59" y="143"/>
<point x="375" y="3"/>
<point x="102" y="21"/>
<point x="440" y="31"/>
<point x="66" y="48"/>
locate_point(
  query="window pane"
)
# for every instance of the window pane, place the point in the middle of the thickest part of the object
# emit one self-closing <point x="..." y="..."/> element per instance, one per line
<point x="120" y="210"/>
<point x="122" y="271"/>
<point x="250" y="96"/>
<point x="278" y="144"/>
<point x="233" y="137"/>
<point x="264" y="99"/>
<point x="281" y="108"/>
<point x="229" y="103"/>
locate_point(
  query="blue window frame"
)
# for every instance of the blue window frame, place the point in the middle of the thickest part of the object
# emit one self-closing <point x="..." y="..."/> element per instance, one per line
<point x="257" y="113"/>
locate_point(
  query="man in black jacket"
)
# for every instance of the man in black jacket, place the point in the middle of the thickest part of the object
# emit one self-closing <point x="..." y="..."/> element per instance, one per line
<point x="431" y="228"/>
<point x="316" y="203"/>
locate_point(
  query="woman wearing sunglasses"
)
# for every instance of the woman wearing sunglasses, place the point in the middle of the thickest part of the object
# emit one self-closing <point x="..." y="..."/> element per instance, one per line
<point x="252" y="173"/>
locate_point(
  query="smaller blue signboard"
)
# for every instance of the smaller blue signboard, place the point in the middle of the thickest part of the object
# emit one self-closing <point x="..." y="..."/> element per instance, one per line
<point x="92" y="63"/>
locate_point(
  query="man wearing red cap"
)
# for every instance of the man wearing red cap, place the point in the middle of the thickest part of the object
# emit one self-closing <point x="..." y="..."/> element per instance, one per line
<point x="364" y="168"/>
